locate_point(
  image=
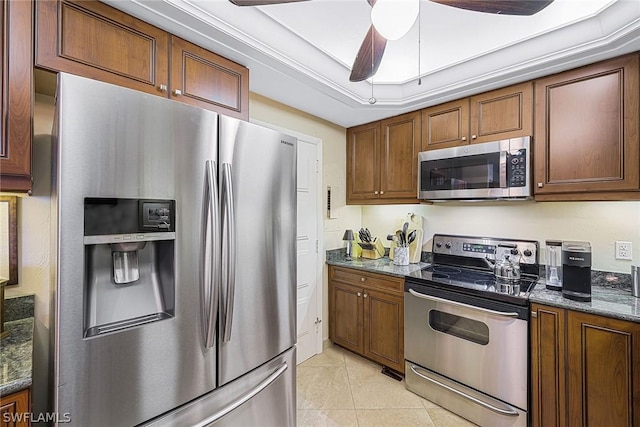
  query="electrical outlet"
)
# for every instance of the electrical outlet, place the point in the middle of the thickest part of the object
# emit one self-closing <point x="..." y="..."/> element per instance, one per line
<point x="623" y="250"/>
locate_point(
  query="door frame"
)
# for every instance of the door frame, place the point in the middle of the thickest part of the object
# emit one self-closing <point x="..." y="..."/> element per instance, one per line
<point x="319" y="226"/>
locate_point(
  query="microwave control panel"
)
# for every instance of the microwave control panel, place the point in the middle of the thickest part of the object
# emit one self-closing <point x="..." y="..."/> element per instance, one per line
<point x="517" y="168"/>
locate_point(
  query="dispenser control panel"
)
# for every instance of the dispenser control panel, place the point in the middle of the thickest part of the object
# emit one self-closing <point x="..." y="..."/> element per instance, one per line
<point x="111" y="216"/>
<point x="156" y="215"/>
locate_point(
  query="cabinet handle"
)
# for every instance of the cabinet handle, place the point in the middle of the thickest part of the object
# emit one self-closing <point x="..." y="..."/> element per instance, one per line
<point x="382" y="192"/>
<point x="177" y="92"/>
<point x="375" y="192"/>
<point x="474" y="136"/>
<point x="540" y="185"/>
<point x="359" y="294"/>
<point x="534" y="314"/>
<point x="464" y="138"/>
<point x="162" y="88"/>
<point x="365" y="295"/>
<point x="362" y="279"/>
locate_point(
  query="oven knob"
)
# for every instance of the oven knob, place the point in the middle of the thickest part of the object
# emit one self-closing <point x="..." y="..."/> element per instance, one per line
<point x="439" y="244"/>
<point x="514" y="251"/>
<point x="448" y="245"/>
<point x="527" y="252"/>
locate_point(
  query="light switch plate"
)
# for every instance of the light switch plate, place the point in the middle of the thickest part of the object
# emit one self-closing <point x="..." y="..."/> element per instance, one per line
<point x="623" y="250"/>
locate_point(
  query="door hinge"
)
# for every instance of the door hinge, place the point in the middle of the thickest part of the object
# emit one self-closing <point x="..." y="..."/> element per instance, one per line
<point x="317" y="166"/>
<point x="317" y="323"/>
<point x="317" y="246"/>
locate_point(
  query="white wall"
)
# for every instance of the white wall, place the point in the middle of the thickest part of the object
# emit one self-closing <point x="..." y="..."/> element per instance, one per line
<point x="33" y="244"/>
<point x="600" y="223"/>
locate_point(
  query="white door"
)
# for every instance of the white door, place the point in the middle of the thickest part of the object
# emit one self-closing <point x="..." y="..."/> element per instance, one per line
<point x="309" y="279"/>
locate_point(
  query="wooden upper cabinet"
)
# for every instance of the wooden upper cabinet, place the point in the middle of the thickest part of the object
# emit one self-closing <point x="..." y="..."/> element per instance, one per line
<point x="587" y="130"/>
<point x="491" y="116"/>
<point x="363" y="160"/>
<point x="445" y="125"/>
<point x="502" y="114"/>
<point x="17" y="94"/>
<point x="399" y="157"/>
<point x="204" y="79"/>
<point x="91" y="39"/>
<point x="382" y="161"/>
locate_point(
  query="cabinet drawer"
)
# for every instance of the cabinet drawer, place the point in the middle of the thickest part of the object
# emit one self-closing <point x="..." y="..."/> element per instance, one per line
<point x="366" y="279"/>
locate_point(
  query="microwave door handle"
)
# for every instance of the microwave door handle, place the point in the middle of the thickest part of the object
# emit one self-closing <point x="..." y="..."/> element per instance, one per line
<point x="503" y="169"/>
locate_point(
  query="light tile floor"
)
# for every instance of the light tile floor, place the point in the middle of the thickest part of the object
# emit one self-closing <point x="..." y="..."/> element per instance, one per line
<point x="340" y="388"/>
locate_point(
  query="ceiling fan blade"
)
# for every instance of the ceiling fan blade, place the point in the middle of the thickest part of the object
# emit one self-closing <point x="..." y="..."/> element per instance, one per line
<point x="364" y="66"/>
<point x="503" y="7"/>
<point x="261" y="2"/>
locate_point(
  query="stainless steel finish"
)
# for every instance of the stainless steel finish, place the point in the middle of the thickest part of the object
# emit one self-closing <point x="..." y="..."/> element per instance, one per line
<point x="177" y="92"/>
<point x="507" y="145"/>
<point x="459" y="304"/>
<point x="274" y="383"/>
<point x="502" y="246"/>
<point x="464" y="401"/>
<point x="503" y="169"/>
<point x="154" y="364"/>
<point x="534" y="314"/>
<point x="510" y="411"/>
<point x="464" y="138"/>
<point x="124" y="238"/>
<point x="229" y="256"/>
<point x="162" y="88"/>
<point x="540" y="185"/>
<point x="635" y="281"/>
<point x="498" y="368"/>
<point x="210" y="262"/>
<point x="264" y="206"/>
<point x="474" y="136"/>
<point x="125" y="262"/>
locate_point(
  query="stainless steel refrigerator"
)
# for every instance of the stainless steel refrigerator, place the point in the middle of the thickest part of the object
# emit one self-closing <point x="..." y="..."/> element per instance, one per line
<point x="174" y="233"/>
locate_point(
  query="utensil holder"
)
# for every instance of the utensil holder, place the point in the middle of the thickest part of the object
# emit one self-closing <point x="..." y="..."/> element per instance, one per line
<point x="401" y="255"/>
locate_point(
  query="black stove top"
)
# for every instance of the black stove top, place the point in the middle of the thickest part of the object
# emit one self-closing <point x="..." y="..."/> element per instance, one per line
<point x="475" y="282"/>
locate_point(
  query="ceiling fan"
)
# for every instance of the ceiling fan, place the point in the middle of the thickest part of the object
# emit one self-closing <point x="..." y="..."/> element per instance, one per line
<point x="372" y="48"/>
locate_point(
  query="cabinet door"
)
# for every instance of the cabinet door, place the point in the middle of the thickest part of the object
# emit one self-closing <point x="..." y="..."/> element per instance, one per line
<point x="503" y="113"/>
<point x="14" y="409"/>
<point x="604" y="371"/>
<point x="345" y="316"/>
<point x="17" y="95"/>
<point x="384" y="328"/>
<point x="586" y="132"/>
<point x="201" y="78"/>
<point x="363" y="160"/>
<point x="445" y="125"/>
<point x="399" y="157"/>
<point x="548" y="391"/>
<point x="91" y="39"/>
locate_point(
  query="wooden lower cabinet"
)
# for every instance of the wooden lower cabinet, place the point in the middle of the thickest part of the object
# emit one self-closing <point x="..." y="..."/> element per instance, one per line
<point x="585" y="369"/>
<point x="15" y="408"/>
<point x="366" y="315"/>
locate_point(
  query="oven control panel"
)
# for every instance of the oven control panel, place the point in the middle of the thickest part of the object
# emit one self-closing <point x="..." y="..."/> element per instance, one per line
<point x="526" y="251"/>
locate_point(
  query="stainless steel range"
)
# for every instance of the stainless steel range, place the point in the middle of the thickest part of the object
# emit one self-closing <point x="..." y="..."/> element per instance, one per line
<point x="466" y="327"/>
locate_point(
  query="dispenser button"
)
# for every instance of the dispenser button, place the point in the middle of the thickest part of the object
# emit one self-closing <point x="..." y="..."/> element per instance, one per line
<point x="140" y="236"/>
<point x="127" y="237"/>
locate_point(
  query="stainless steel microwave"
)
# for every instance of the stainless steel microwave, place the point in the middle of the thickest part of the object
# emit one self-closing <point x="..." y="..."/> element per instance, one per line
<point x="490" y="170"/>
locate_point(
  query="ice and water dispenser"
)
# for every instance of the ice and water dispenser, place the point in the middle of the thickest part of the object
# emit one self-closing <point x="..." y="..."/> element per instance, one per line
<point x="129" y="263"/>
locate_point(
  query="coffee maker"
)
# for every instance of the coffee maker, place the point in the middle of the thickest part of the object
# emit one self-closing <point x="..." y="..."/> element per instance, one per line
<point x="129" y="263"/>
<point x="576" y="270"/>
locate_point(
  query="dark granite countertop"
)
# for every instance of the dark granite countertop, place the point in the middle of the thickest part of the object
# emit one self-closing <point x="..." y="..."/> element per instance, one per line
<point x="606" y="300"/>
<point x="381" y="265"/>
<point x="610" y="292"/>
<point x="16" y="351"/>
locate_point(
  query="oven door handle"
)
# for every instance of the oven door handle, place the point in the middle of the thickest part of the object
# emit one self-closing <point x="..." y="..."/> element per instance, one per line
<point x="447" y="301"/>
<point x="509" y="412"/>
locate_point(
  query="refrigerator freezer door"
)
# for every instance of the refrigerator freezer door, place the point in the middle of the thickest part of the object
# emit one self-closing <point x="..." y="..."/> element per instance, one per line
<point x="257" y="175"/>
<point x="265" y="397"/>
<point x="113" y="142"/>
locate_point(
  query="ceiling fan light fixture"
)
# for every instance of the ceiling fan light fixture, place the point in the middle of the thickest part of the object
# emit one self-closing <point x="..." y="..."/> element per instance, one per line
<point x="394" y="18"/>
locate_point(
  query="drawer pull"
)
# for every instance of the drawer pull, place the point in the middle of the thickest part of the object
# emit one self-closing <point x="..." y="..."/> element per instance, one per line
<point x="362" y="279"/>
<point x="359" y="294"/>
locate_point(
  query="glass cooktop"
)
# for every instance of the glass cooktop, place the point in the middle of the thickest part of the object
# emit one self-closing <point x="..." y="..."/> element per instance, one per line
<point x="475" y="282"/>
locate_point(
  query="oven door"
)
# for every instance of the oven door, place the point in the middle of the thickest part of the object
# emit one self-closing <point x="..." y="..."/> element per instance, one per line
<point x="468" y="172"/>
<point x="478" y="342"/>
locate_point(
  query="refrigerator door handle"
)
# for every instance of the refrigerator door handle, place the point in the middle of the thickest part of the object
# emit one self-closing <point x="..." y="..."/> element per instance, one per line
<point x="244" y="399"/>
<point x="230" y="228"/>
<point x="209" y="284"/>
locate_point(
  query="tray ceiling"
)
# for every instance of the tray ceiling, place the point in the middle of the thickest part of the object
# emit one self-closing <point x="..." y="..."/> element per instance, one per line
<point x="300" y="54"/>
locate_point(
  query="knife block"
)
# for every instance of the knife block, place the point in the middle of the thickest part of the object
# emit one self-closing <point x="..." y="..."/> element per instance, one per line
<point x="374" y="250"/>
